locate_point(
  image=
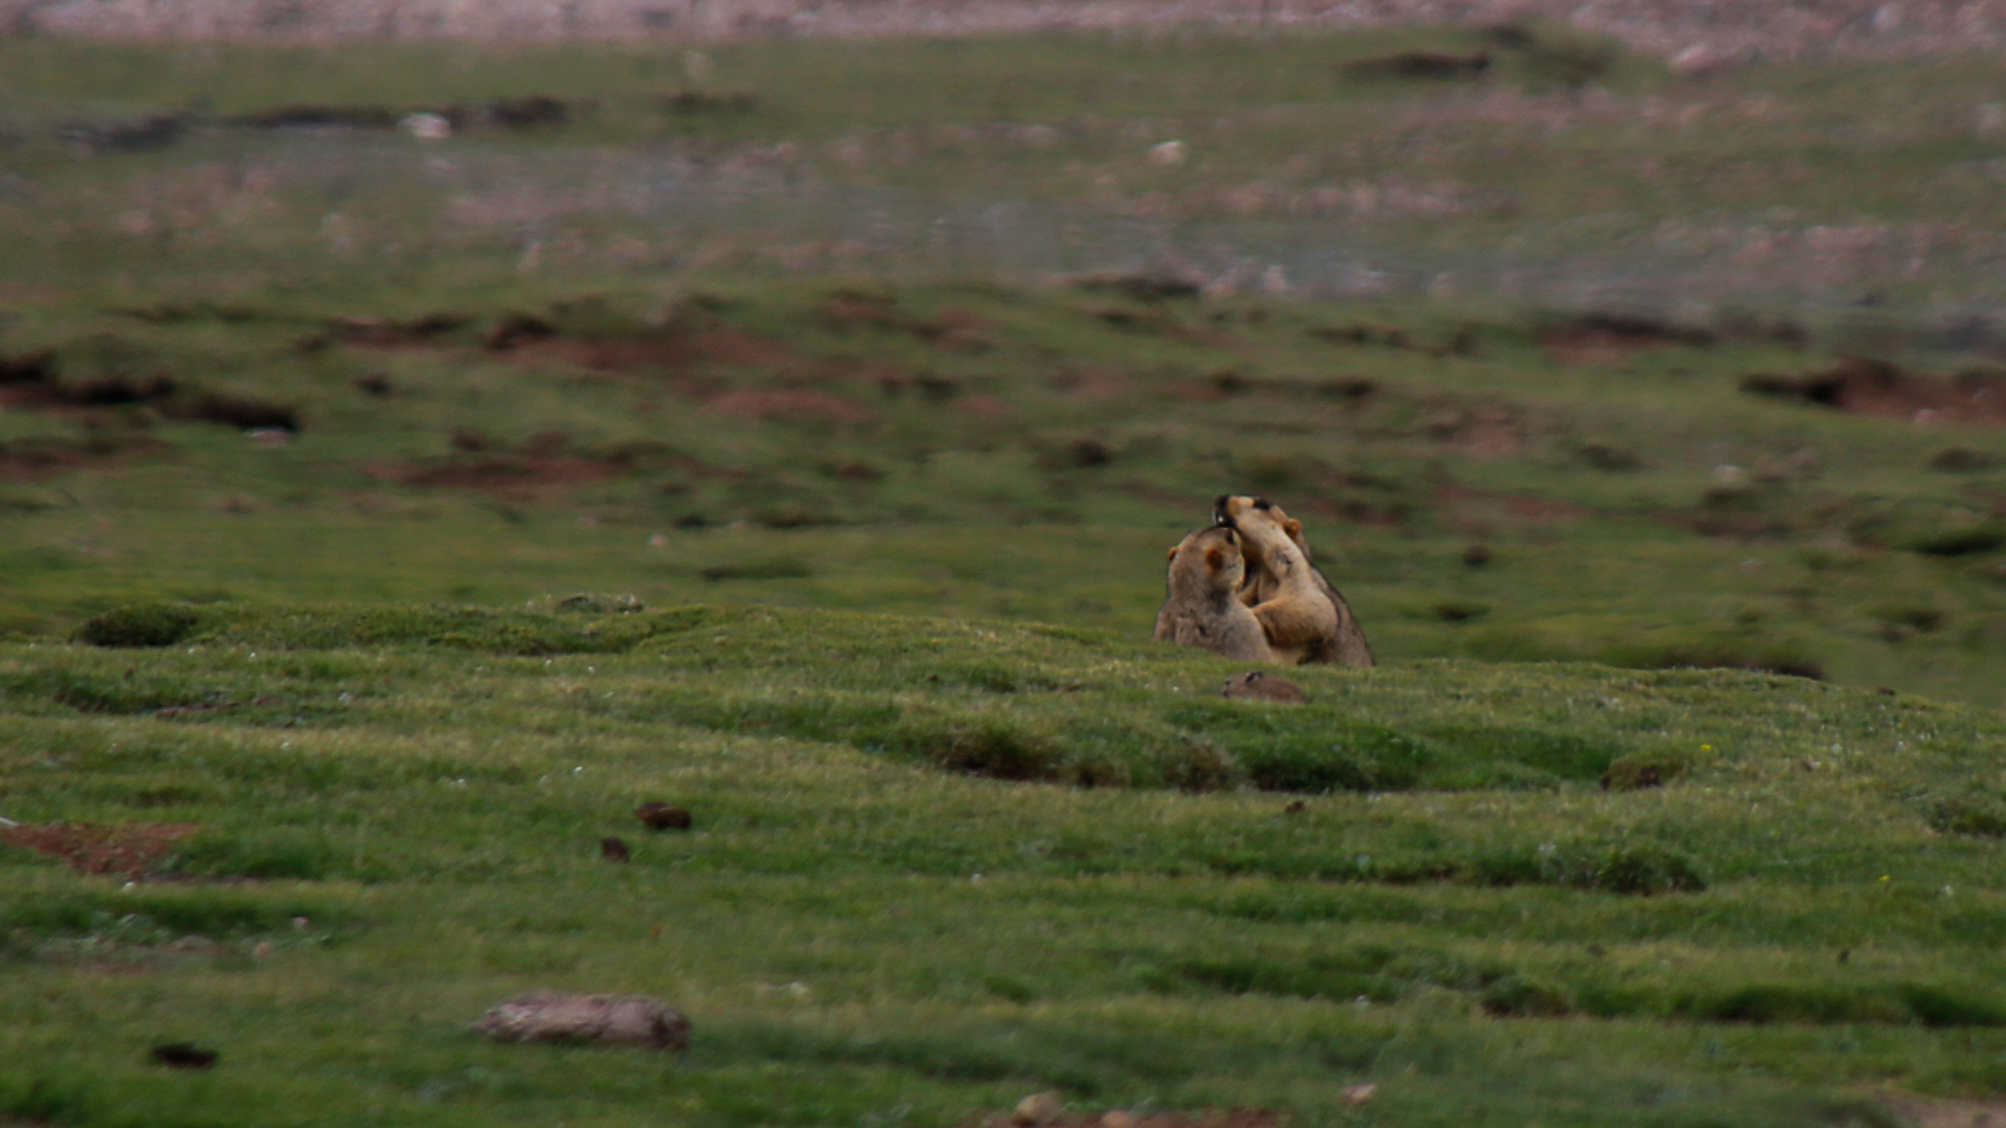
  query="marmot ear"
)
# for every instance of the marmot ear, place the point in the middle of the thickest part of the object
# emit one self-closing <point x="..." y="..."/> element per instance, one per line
<point x="1215" y="557"/>
<point x="1292" y="527"/>
<point x="1172" y="554"/>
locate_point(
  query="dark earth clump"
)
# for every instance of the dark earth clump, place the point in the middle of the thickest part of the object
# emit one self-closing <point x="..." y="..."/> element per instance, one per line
<point x="661" y="816"/>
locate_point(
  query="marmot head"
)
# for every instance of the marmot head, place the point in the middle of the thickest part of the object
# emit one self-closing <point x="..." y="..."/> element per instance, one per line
<point x="1209" y="560"/>
<point x="1262" y="525"/>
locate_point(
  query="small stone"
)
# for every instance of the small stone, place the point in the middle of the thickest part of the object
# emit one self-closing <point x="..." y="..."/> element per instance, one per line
<point x="1359" y="1094"/>
<point x="1259" y="685"/>
<point x="661" y="816"/>
<point x="564" y="1016"/>
<point x="1118" y="1119"/>
<point x="1037" y="1109"/>
<point x="614" y="850"/>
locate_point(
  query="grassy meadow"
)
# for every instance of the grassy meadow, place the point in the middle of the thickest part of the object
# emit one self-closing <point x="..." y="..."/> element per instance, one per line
<point x="1650" y="421"/>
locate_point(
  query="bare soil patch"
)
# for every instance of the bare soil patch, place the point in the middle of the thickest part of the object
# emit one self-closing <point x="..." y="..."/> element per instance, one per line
<point x="670" y="349"/>
<point x="116" y="849"/>
<point x="1613" y="339"/>
<point x="540" y="464"/>
<point x="512" y="474"/>
<point x="797" y="404"/>
<point x="39" y="458"/>
<point x="1201" y="1118"/>
<point x="1879" y="387"/>
<point x="34" y="382"/>
<point x="1476" y="510"/>
<point x="1937" y="1112"/>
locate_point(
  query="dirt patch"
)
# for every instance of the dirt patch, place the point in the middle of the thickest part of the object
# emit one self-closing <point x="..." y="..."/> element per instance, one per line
<point x="540" y="464"/>
<point x="1480" y="431"/>
<point x="512" y="474"/>
<point x="803" y="405"/>
<point x="527" y="111"/>
<point x="739" y="348"/>
<point x="693" y="101"/>
<point x="1475" y="510"/>
<point x="135" y="135"/>
<point x="650" y="354"/>
<point x="117" y="849"/>
<point x="1616" y="338"/>
<point x="33" y="382"/>
<point x="1201" y="1118"/>
<point x="1433" y="65"/>
<point x="386" y="333"/>
<point x="1937" y="1112"/>
<point x="39" y="458"/>
<point x="669" y="350"/>
<point x="1879" y="387"/>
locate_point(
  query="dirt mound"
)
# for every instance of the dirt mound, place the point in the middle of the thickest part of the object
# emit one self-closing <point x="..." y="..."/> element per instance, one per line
<point x="34" y="382"/>
<point x="119" y="849"/>
<point x="36" y="458"/>
<point x="1613" y="338"/>
<point x="1421" y="65"/>
<point x="513" y="474"/>
<point x="809" y="406"/>
<point x="527" y="111"/>
<point x="674" y="347"/>
<point x="1202" y="1118"/>
<point x="543" y="462"/>
<point x="1879" y="387"/>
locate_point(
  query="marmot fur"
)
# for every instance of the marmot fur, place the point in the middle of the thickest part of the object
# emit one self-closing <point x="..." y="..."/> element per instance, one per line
<point x="1304" y="617"/>
<point x="1203" y="608"/>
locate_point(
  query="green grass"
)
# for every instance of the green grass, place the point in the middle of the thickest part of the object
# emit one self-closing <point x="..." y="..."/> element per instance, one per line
<point x="856" y="926"/>
<point x="867" y="502"/>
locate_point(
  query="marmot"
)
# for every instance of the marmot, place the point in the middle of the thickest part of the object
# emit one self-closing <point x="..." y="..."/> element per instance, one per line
<point x="1203" y="609"/>
<point x="1304" y="617"/>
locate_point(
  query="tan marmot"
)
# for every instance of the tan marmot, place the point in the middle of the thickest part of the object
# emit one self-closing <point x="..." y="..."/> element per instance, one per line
<point x="1203" y="608"/>
<point x="1304" y="617"/>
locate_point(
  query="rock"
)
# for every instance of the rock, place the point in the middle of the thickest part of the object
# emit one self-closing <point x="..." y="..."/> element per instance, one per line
<point x="1037" y="1109"/>
<point x="1359" y="1094"/>
<point x="562" y="1016"/>
<point x="1259" y="685"/>
<point x="661" y="816"/>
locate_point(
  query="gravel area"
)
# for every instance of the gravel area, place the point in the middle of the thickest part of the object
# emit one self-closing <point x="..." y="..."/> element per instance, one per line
<point x="1692" y="33"/>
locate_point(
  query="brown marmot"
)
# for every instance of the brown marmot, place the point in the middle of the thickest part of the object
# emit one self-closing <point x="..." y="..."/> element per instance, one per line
<point x="1203" y="609"/>
<point x="1304" y="617"/>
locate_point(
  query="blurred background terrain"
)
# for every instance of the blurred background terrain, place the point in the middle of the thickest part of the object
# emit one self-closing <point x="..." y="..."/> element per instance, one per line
<point x="1653" y="334"/>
